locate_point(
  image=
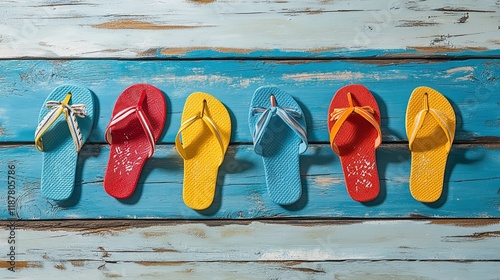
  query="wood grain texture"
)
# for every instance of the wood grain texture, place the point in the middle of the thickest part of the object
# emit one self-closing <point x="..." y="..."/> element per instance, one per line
<point x="471" y="188"/>
<point x="293" y="270"/>
<point x="129" y="29"/>
<point x="350" y="249"/>
<point x="471" y="85"/>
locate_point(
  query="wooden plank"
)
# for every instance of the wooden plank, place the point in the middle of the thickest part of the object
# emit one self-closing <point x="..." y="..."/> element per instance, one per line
<point x="296" y="270"/>
<point x="255" y="250"/>
<point x="471" y="85"/>
<point x="349" y="249"/>
<point x="471" y="187"/>
<point x="250" y="28"/>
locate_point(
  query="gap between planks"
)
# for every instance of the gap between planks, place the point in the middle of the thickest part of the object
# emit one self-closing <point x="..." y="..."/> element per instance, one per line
<point x="125" y="224"/>
<point x="380" y="59"/>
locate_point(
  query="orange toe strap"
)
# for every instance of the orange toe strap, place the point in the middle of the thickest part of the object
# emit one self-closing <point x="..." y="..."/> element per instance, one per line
<point x="340" y="115"/>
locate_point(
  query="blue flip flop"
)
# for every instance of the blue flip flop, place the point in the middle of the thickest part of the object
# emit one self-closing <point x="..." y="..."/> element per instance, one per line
<point x="278" y="128"/>
<point x="64" y="124"/>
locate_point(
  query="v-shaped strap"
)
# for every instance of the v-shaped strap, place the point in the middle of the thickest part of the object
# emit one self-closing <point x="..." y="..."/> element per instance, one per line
<point x="340" y="115"/>
<point x="70" y="113"/>
<point x="288" y="115"/>
<point x="440" y="119"/>
<point x="141" y="116"/>
<point x="209" y="123"/>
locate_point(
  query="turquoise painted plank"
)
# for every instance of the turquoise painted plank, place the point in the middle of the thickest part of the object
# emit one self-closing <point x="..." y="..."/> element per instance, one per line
<point x="471" y="187"/>
<point x="471" y="85"/>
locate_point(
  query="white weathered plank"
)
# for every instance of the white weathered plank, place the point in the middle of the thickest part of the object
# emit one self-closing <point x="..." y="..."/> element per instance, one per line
<point x="160" y="241"/>
<point x="45" y="28"/>
<point x="349" y="249"/>
<point x="294" y="270"/>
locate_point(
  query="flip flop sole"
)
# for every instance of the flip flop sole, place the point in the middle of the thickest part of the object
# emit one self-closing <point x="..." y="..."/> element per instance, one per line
<point x="59" y="155"/>
<point x="130" y="146"/>
<point x="201" y="165"/>
<point x="280" y="147"/>
<point x="355" y="142"/>
<point x="429" y="154"/>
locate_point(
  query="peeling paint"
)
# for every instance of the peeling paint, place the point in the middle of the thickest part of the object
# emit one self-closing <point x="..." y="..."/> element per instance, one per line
<point x="105" y="253"/>
<point x="112" y="275"/>
<point x="306" y="254"/>
<point x="467" y="70"/>
<point x="165" y="250"/>
<point x="461" y="9"/>
<point x="160" y="263"/>
<point x="60" y="267"/>
<point x="202" y="1"/>
<point x="22" y="264"/>
<point x="198" y="232"/>
<point x="466" y="222"/>
<point x="325" y="181"/>
<point x="77" y="263"/>
<point x="182" y="51"/>
<point x="416" y="23"/>
<point x="331" y="76"/>
<point x="464" y="18"/>
<point x="440" y="49"/>
<point x="478" y="235"/>
<point x="150" y="234"/>
<point x="231" y="231"/>
<point x="136" y="24"/>
<point x="460" y="69"/>
<point x="307" y="270"/>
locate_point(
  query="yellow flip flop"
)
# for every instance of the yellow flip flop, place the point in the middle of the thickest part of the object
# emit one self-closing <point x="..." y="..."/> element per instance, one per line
<point x="430" y="127"/>
<point x="205" y="130"/>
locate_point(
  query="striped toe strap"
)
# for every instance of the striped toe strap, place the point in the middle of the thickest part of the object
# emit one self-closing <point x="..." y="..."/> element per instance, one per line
<point x="137" y="111"/>
<point x="340" y="115"/>
<point x="70" y="113"/>
<point x="289" y="117"/>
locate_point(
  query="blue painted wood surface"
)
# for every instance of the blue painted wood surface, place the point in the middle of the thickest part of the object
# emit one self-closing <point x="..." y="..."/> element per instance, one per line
<point x="471" y="85"/>
<point x="471" y="188"/>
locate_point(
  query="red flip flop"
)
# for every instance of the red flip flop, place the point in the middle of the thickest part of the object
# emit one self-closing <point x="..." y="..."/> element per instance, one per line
<point x="135" y="126"/>
<point x="354" y="126"/>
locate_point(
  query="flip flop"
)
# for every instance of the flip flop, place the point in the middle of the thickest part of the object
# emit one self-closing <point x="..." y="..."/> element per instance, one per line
<point x="205" y="130"/>
<point x="64" y="124"/>
<point x="430" y="127"/>
<point x="354" y="125"/>
<point x="136" y="124"/>
<point x="278" y="127"/>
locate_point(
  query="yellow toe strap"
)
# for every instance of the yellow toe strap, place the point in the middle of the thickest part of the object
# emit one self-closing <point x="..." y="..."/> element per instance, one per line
<point x="210" y="124"/>
<point x="440" y="118"/>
